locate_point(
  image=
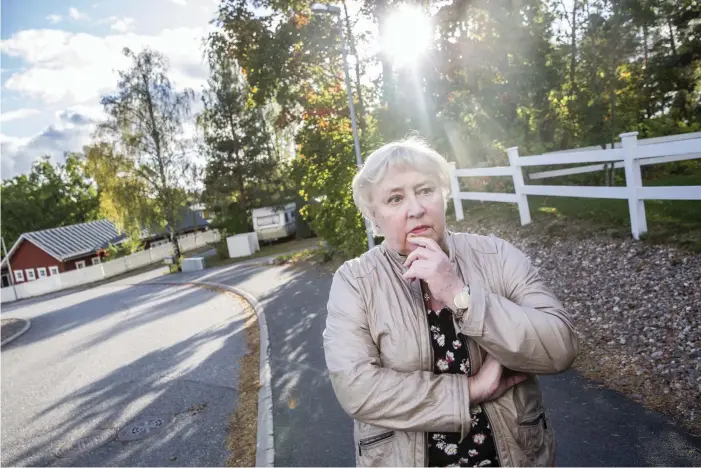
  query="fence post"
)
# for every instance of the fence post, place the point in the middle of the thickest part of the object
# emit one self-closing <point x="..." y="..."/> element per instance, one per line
<point x="517" y="175"/>
<point x="455" y="188"/>
<point x="634" y="180"/>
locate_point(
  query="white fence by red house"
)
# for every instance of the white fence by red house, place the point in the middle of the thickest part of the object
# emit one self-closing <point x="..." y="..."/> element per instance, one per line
<point x="91" y="274"/>
<point x="630" y="154"/>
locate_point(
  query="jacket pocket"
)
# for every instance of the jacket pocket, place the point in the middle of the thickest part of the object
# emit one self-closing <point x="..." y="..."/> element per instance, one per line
<point x="372" y="442"/>
<point x="534" y="436"/>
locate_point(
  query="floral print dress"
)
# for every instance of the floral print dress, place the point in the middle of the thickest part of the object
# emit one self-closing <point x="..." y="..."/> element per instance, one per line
<point x="451" y="357"/>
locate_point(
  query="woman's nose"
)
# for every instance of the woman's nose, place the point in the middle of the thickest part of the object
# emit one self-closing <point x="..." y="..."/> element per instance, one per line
<point x="415" y="209"/>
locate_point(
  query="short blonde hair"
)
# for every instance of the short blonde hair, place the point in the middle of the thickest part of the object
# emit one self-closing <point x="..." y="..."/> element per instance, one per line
<point x="410" y="153"/>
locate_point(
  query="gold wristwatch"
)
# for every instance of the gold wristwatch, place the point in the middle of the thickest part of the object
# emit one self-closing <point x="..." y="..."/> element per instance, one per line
<point x="462" y="302"/>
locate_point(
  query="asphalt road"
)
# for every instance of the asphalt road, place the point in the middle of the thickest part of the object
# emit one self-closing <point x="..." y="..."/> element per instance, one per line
<point x="97" y="361"/>
<point x="594" y="426"/>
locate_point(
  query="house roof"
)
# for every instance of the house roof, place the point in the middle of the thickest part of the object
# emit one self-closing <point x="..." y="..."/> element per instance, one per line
<point x="67" y="242"/>
<point x="187" y="219"/>
<point x="76" y="240"/>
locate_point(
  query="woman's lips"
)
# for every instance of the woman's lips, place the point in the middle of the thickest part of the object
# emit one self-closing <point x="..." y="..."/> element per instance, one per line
<point x="419" y="230"/>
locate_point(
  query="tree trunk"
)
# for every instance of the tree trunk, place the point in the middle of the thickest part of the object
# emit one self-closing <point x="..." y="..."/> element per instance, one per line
<point x="165" y="195"/>
<point x="646" y="50"/>
<point x="671" y="36"/>
<point x="573" y="51"/>
<point x="358" y="88"/>
<point x="387" y="69"/>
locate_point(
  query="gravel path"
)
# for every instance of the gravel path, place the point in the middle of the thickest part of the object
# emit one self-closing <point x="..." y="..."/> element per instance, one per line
<point x="637" y="309"/>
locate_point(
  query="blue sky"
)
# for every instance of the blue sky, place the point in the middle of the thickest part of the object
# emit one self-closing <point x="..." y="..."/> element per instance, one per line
<point x="59" y="57"/>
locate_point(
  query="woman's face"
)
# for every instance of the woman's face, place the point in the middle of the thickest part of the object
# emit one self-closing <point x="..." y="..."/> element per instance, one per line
<point x="408" y="203"/>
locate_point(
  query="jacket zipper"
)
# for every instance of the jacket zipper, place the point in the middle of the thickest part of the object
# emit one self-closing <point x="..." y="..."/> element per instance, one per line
<point x="373" y="440"/>
<point x="494" y="435"/>
<point x="430" y="356"/>
<point x="484" y="409"/>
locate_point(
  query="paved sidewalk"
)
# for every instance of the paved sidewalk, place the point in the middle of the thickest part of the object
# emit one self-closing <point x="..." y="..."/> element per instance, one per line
<point x="594" y="426"/>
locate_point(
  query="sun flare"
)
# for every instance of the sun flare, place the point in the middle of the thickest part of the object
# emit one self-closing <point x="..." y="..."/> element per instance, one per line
<point x="407" y="35"/>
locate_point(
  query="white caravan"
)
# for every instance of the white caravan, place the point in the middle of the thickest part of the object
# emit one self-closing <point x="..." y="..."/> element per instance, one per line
<point x="271" y="223"/>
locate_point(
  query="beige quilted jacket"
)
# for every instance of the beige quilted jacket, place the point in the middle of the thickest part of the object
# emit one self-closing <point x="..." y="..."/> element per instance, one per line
<point x="379" y="354"/>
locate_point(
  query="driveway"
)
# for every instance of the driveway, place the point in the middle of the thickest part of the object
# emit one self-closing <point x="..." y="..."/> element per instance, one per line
<point x="148" y="373"/>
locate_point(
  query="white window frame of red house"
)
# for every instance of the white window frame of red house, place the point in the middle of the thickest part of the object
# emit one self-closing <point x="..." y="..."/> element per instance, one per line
<point x="19" y="275"/>
<point x="41" y="270"/>
<point x="31" y="276"/>
<point x="96" y="260"/>
<point x="80" y="264"/>
<point x="53" y="270"/>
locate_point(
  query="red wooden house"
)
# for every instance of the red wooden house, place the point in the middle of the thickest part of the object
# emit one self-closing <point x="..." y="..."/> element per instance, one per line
<point x="53" y="251"/>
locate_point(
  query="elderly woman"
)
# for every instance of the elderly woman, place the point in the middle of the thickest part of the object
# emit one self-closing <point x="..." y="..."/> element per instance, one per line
<point x="434" y="339"/>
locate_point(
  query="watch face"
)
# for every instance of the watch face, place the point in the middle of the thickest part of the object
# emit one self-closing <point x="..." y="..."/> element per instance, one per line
<point x="462" y="300"/>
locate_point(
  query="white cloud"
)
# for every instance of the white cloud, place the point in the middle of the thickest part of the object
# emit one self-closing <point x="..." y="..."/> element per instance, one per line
<point x="77" y="15"/>
<point x="121" y="24"/>
<point x="54" y="19"/>
<point x="73" y="130"/>
<point x="17" y="114"/>
<point x="179" y="2"/>
<point x="62" y="65"/>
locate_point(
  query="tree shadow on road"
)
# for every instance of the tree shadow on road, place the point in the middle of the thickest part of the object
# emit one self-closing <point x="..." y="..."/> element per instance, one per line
<point x="103" y="306"/>
<point x="311" y="428"/>
<point x="192" y="381"/>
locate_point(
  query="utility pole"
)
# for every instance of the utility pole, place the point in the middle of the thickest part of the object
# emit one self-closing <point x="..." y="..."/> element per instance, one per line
<point x="320" y="8"/>
<point x="9" y="267"/>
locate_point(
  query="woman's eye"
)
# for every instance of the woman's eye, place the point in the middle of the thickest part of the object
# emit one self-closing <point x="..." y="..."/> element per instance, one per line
<point x="395" y="199"/>
<point x="426" y="191"/>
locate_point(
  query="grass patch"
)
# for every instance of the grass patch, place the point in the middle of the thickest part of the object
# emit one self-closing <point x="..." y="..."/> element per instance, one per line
<point x="199" y="251"/>
<point x="319" y="256"/>
<point x="266" y="250"/>
<point x="243" y="425"/>
<point x="675" y="222"/>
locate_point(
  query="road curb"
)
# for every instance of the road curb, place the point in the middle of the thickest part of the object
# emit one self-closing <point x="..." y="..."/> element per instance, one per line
<point x="265" y="436"/>
<point x="27" y="326"/>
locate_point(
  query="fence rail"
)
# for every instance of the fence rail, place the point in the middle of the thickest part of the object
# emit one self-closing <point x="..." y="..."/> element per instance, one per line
<point x="104" y="270"/>
<point x="695" y="154"/>
<point x="630" y="154"/>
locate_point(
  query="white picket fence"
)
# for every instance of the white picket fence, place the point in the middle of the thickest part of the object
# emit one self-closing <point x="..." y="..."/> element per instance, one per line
<point x="632" y="153"/>
<point x="104" y="270"/>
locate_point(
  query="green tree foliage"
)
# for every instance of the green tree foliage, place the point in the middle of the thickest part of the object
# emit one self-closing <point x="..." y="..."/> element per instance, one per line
<point x="150" y="156"/>
<point x="325" y="169"/>
<point x="539" y="74"/>
<point x="242" y="170"/>
<point x="308" y="86"/>
<point x="51" y="195"/>
<point x="126" y="197"/>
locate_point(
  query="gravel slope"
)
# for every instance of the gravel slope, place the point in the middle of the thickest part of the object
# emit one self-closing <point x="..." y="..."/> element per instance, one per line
<point x="637" y="309"/>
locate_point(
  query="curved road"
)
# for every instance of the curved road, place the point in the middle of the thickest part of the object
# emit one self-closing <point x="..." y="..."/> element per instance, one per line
<point x="97" y="360"/>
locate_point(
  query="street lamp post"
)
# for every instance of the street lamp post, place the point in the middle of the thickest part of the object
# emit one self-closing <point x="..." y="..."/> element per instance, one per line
<point x="334" y="10"/>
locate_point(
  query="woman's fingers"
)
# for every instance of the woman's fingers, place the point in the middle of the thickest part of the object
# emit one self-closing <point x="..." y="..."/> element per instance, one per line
<point x="515" y="380"/>
<point x="420" y="253"/>
<point x="418" y="269"/>
<point x="430" y="244"/>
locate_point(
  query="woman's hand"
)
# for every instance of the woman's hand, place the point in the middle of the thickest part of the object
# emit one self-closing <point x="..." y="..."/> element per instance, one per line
<point x="429" y="263"/>
<point x="490" y="383"/>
